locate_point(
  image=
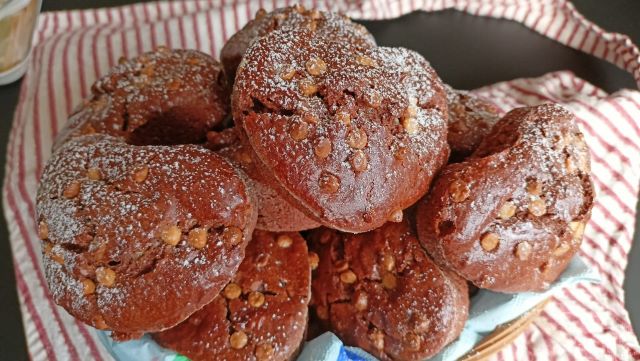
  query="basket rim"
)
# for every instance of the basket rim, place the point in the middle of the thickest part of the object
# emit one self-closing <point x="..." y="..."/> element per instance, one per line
<point x="503" y="335"/>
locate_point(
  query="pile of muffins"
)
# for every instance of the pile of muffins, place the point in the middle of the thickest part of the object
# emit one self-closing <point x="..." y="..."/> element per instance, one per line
<point x="175" y="196"/>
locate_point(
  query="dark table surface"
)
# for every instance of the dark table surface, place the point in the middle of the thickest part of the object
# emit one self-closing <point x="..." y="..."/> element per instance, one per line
<point x="466" y="51"/>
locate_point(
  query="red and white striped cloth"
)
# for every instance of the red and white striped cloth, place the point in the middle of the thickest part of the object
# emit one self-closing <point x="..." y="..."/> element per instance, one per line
<point x="74" y="48"/>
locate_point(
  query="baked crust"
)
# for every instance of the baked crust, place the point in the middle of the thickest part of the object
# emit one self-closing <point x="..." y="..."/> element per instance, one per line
<point x="380" y="291"/>
<point x="511" y="216"/>
<point x="265" y="306"/>
<point x="351" y="135"/>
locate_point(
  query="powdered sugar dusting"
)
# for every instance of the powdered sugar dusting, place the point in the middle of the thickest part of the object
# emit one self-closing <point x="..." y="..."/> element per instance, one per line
<point x="326" y="24"/>
<point x="160" y="97"/>
<point x="266" y="302"/>
<point x="527" y="187"/>
<point x="380" y="291"/>
<point x="113" y="217"/>
<point x="389" y="94"/>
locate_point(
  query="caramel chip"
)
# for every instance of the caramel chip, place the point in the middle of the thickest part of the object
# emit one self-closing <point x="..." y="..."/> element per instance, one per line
<point x="459" y="191"/>
<point x="361" y="301"/>
<point x="323" y="148"/>
<point x="105" y="276"/>
<point x="507" y="210"/>
<point x="238" y="340"/>
<point x="329" y="183"/>
<point x="358" y="161"/>
<point x="307" y="87"/>
<point x="72" y="190"/>
<point x="348" y="277"/>
<point x="284" y="241"/>
<point x="315" y="66"/>
<point x="88" y="287"/>
<point x="299" y="130"/>
<point x="537" y="207"/>
<point x="523" y="250"/>
<point x="357" y="138"/>
<point x="232" y="291"/>
<point x="264" y="352"/>
<point x="43" y="230"/>
<point x="198" y="237"/>
<point x="314" y="260"/>
<point x="389" y="281"/>
<point x="141" y="174"/>
<point x="232" y="235"/>
<point x="171" y="235"/>
<point x="94" y="173"/>
<point x="490" y="241"/>
<point x="377" y="339"/>
<point x="396" y="216"/>
<point x="366" y="61"/>
<point x="256" y="299"/>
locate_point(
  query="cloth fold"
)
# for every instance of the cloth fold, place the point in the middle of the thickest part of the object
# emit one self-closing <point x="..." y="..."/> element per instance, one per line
<point x="73" y="48"/>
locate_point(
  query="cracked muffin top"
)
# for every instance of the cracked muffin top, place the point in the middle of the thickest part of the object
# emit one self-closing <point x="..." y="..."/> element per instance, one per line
<point x="160" y="97"/>
<point x="511" y="216"/>
<point x="137" y="238"/>
<point x="353" y="135"/>
<point x="261" y="314"/>
<point x="381" y="292"/>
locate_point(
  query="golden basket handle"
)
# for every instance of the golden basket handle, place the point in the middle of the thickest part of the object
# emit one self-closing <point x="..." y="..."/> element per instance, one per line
<point x="503" y="335"/>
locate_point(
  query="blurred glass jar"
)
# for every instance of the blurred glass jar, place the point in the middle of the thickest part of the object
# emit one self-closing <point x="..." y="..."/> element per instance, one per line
<point x="17" y="22"/>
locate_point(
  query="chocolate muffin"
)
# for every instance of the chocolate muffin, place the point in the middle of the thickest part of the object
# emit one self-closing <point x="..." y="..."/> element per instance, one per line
<point x="351" y="136"/>
<point x="137" y="238"/>
<point x="381" y="292"/>
<point x="161" y="97"/>
<point x="510" y="217"/>
<point x="326" y="24"/>
<point x="275" y="213"/>
<point x="260" y="315"/>
<point x="470" y="120"/>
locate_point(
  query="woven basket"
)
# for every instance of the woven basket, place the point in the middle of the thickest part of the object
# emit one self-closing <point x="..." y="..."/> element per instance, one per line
<point x="503" y="335"/>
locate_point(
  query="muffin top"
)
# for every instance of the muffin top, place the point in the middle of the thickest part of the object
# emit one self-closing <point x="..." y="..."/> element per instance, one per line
<point x="353" y="134"/>
<point x="261" y="314"/>
<point x="511" y="216"/>
<point x="137" y="238"/>
<point x="380" y="291"/>
<point x="326" y="24"/>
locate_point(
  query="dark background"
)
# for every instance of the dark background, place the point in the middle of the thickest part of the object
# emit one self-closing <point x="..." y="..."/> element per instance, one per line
<point x="466" y="51"/>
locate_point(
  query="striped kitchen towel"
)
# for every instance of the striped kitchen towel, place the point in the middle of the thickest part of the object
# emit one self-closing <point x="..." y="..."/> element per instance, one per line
<point x="73" y="48"/>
